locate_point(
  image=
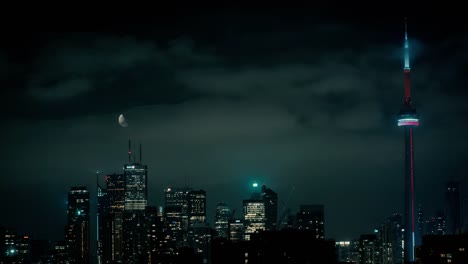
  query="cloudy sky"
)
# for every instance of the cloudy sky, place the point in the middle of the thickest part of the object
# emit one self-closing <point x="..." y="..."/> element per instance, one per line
<point x="304" y="103"/>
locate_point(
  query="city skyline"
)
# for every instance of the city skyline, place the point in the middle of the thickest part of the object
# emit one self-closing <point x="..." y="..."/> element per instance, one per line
<point x="293" y="101"/>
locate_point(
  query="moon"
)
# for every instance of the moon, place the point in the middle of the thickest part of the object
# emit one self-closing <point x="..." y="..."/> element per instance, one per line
<point x="122" y="121"/>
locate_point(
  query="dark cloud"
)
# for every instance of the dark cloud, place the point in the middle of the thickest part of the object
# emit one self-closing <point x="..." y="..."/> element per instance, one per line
<point x="309" y="110"/>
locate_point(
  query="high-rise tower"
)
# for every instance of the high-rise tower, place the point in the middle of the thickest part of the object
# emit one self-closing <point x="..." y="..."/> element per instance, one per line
<point x="408" y="118"/>
<point x="77" y="232"/>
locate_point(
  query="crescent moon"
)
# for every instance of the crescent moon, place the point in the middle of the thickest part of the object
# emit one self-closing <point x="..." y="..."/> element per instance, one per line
<point x="122" y="121"/>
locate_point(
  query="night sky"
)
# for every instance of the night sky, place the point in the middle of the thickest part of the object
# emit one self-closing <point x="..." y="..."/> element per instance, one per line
<point x="302" y="102"/>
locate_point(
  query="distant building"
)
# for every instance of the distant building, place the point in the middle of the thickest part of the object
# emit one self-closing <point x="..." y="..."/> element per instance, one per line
<point x="452" y="208"/>
<point x="59" y="254"/>
<point x="395" y="224"/>
<point x="344" y="251"/>
<point x="222" y="217"/>
<point x="176" y="215"/>
<point x="465" y="214"/>
<point x="197" y="207"/>
<point x="199" y="238"/>
<point x="135" y="242"/>
<point x="156" y="244"/>
<point x="287" y="220"/>
<point x="369" y="249"/>
<point x="14" y="248"/>
<point x="77" y="232"/>
<point x="444" y="249"/>
<point x="236" y="230"/>
<point x="311" y="217"/>
<point x="281" y="246"/>
<point x="254" y="217"/>
<point x="438" y="224"/>
<point x="385" y="239"/>
<point x="136" y="182"/>
<point x="111" y="204"/>
<point x="270" y="199"/>
<point x="421" y="224"/>
<point x="103" y="230"/>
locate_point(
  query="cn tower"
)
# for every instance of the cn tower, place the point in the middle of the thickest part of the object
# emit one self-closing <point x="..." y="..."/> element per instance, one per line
<point x="409" y="119"/>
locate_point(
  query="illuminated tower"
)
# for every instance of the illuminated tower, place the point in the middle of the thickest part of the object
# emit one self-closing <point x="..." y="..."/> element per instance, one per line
<point x="136" y="200"/>
<point x="408" y="118"/>
<point x="77" y="232"/>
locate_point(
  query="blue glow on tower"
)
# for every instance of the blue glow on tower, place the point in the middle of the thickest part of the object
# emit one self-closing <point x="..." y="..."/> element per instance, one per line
<point x="407" y="66"/>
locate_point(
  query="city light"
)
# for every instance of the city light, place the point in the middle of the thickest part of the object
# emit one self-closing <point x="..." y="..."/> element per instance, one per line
<point x="408" y="122"/>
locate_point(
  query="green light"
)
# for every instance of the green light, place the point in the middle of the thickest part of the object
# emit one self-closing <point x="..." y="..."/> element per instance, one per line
<point x="255" y="184"/>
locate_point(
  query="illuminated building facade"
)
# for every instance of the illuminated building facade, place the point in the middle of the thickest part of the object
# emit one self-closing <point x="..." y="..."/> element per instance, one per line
<point x="14" y="248"/>
<point x="77" y="232"/>
<point x="396" y="232"/>
<point x="176" y="215"/>
<point x="369" y="249"/>
<point x="102" y="217"/>
<point x="236" y="230"/>
<point x="344" y="251"/>
<point x="311" y="217"/>
<point x="136" y="192"/>
<point x="386" y="245"/>
<point x="222" y="217"/>
<point x="136" y="201"/>
<point x="438" y="224"/>
<point x="199" y="238"/>
<point x="254" y="217"/>
<point x="409" y="119"/>
<point x="110" y="208"/>
<point x="197" y="207"/>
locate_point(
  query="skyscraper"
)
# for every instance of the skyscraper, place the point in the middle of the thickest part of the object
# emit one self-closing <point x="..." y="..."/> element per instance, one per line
<point x="102" y="219"/>
<point x="222" y="217"/>
<point x="110" y="207"/>
<point x="136" y="182"/>
<point x="136" y="200"/>
<point x="270" y="198"/>
<point x="311" y="217"/>
<point x="254" y="217"/>
<point x="369" y="249"/>
<point x="77" y="232"/>
<point x="236" y="230"/>
<point x="396" y="229"/>
<point x="197" y="207"/>
<point x="176" y="214"/>
<point x="452" y="207"/>
<point x="408" y="118"/>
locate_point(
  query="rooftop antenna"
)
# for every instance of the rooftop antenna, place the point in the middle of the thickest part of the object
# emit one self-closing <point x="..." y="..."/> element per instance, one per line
<point x="134" y="158"/>
<point x="140" y="153"/>
<point x="129" y="151"/>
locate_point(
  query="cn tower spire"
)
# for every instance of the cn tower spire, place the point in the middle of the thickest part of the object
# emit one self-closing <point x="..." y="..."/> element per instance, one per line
<point x="406" y="68"/>
<point x="407" y="65"/>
